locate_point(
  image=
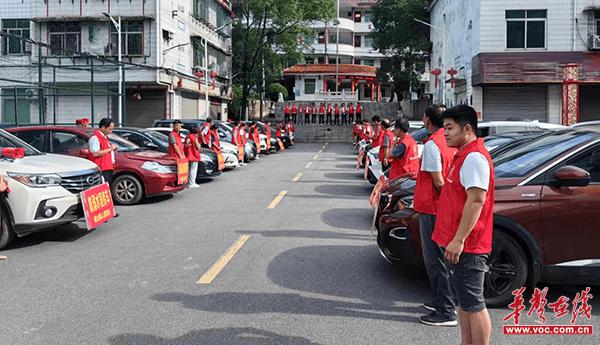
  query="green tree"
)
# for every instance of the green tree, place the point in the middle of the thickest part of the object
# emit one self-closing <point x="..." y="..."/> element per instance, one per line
<point x="270" y="30"/>
<point x="404" y="41"/>
<point x="275" y="89"/>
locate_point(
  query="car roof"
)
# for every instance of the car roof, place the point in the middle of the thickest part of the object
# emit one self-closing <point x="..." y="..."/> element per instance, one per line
<point x="534" y="123"/>
<point x="586" y="123"/>
<point x="86" y="130"/>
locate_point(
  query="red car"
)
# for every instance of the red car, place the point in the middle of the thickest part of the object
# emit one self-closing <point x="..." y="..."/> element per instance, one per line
<point x="139" y="173"/>
<point x="546" y="215"/>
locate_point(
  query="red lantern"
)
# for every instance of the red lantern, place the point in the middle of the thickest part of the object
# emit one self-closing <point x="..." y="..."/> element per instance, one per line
<point x="213" y="75"/>
<point x="179" y="83"/>
<point x="452" y="73"/>
<point x="436" y="72"/>
<point x="199" y="74"/>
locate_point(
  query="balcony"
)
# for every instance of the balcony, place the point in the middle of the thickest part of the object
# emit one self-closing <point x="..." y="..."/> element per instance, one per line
<point x="343" y="49"/>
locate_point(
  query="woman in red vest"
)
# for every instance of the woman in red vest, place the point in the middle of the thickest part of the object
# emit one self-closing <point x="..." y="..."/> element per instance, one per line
<point x="101" y="151"/>
<point x="192" y="153"/>
<point x="205" y="133"/>
<point x="294" y="113"/>
<point x="465" y="227"/>
<point x="256" y="138"/>
<point x="329" y="120"/>
<point x="358" y="112"/>
<point x="215" y="142"/>
<point x="267" y="132"/>
<point x="322" y="114"/>
<point x="307" y="111"/>
<point x="175" y="142"/>
<point x="404" y="154"/>
<point x="336" y="114"/>
<point x="286" y="112"/>
<point x="386" y="145"/>
<point x="351" y="113"/>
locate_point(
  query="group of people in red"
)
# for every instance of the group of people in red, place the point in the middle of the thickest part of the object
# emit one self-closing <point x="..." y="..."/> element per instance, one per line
<point x="326" y="113"/>
<point x="454" y="198"/>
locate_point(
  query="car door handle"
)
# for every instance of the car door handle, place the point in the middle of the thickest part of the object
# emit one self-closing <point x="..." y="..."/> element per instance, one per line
<point x="528" y="196"/>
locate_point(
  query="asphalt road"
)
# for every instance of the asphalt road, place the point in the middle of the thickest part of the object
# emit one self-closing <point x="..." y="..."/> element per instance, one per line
<point x="307" y="273"/>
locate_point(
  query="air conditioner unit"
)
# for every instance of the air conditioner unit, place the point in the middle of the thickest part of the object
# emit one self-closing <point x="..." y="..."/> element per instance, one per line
<point x="28" y="47"/>
<point x="595" y="41"/>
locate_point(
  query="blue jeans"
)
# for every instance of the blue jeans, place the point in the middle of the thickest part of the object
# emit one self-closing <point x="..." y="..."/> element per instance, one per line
<point x="193" y="172"/>
<point x="437" y="271"/>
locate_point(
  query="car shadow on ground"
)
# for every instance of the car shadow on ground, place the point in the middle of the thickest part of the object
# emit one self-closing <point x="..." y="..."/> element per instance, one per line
<point x="214" y="336"/>
<point x="308" y="234"/>
<point x="345" y="166"/>
<point x="359" y="190"/>
<point x="65" y="233"/>
<point x="154" y="200"/>
<point x="351" y="176"/>
<point x="348" y="218"/>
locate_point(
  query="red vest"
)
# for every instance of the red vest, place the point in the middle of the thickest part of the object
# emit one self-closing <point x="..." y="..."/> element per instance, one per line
<point x="387" y="133"/>
<point x="367" y="131"/>
<point x="235" y="140"/>
<point x="314" y="109"/>
<point x="307" y="110"/>
<point x="243" y="137"/>
<point x="409" y="162"/>
<point x="358" y="109"/>
<point x="205" y="138"/>
<point x="453" y="199"/>
<point x="179" y="144"/>
<point x="294" y="109"/>
<point x="336" y="110"/>
<point x="256" y="137"/>
<point x="191" y="151"/>
<point x="379" y="136"/>
<point x="286" y="110"/>
<point x="322" y="110"/>
<point x="278" y="132"/>
<point x="329" y="108"/>
<point x="351" y="110"/>
<point x="426" y="196"/>
<point x="105" y="162"/>
<point x="216" y="142"/>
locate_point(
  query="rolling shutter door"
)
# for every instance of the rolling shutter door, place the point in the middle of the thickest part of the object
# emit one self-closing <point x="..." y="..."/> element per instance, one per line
<point x="525" y="103"/>
<point x="189" y="105"/>
<point x="141" y="113"/>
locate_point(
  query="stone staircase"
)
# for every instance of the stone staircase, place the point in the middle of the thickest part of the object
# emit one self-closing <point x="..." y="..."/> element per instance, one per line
<point x="387" y="110"/>
<point x="323" y="134"/>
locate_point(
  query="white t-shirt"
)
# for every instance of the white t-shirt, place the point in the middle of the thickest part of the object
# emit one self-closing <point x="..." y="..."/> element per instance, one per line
<point x="431" y="159"/>
<point x="475" y="172"/>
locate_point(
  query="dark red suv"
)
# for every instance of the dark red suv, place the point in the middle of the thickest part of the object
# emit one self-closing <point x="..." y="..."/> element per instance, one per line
<point x="138" y="173"/>
<point x="546" y="215"/>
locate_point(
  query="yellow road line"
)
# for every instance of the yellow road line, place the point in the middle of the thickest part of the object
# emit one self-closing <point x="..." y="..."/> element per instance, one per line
<point x="308" y="165"/>
<point x="277" y="199"/>
<point x="316" y="157"/>
<point x="297" y="177"/>
<point x="218" y="266"/>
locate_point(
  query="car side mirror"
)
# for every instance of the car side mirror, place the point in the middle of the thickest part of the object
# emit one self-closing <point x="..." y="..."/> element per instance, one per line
<point x="571" y="176"/>
<point x="150" y="145"/>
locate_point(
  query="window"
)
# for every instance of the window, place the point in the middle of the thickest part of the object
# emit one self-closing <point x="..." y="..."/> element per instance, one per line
<point x="37" y="139"/>
<point x="198" y="52"/>
<point x="321" y="60"/>
<point x="309" y="86"/>
<point x="368" y="42"/>
<point x="525" y="29"/>
<point x="357" y="16"/>
<point x="590" y="162"/>
<point x="309" y="39"/>
<point x="368" y="16"/>
<point x="321" y="37"/>
<point x="368" y="62"/>
<point x="332" y="38"/>
<point x="13" y="45"/>
<point x="357" y="41"/>
<point x="132" y="38"/>
<point x="68" y="143"/>
<point x="65" y="38"/>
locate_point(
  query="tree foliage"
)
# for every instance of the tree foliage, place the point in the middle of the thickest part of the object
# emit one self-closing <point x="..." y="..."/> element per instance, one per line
<point x="270" y="30"/>
<point x="275" y="89"/>
<point x="405" y="42"/>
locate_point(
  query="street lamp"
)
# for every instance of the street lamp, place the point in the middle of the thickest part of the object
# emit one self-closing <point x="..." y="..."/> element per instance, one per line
<point x="438" y="29"/>
<point x="117" y="24"/>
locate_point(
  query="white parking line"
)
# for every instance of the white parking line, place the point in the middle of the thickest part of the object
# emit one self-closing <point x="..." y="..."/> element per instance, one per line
<point x="308" y="165"/>
<point x="316" y="157"/>
<point x="297" y="177"/>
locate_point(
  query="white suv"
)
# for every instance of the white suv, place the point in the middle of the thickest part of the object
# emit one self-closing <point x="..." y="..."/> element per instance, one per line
<point x="44" y="189"/>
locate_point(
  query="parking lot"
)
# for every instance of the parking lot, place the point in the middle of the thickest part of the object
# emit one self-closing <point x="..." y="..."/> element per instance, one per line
<point x="305" y="271"/>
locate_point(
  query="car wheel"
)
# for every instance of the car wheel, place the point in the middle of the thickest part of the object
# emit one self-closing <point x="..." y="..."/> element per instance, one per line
<point x="6" y="233"/>
<point x="127" y="190"/>
<point x="507" y="270"/>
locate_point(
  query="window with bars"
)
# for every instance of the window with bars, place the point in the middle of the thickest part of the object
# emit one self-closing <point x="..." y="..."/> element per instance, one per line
<point x="132" y="38"/>
<point x="310" y="86"/>
<point x="18" y="31"/>
<point x="65" y="38"/>
<point x="525" y="29"/>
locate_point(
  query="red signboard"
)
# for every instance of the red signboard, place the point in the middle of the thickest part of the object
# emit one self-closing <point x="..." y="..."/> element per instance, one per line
<point x="221" y="161"/>
<point x="183" y="171"/>
<point x="98" y="205"/>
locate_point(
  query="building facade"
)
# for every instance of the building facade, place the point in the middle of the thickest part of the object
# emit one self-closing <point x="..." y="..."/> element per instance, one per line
<point x="59" y="60"/>
<point x="509" y="59"/>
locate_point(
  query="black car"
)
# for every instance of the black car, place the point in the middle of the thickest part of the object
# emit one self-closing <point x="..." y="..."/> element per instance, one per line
<point x="152" y="140"/>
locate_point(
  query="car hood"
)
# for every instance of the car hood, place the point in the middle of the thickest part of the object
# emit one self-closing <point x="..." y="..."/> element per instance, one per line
<point x="150" y="155"/>
<point x="47" y="164"/>
<point x="228" y="146"/>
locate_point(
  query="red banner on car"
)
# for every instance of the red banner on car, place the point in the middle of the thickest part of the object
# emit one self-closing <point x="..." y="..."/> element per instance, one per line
<point x="221" y="161"/>
<point x="183" y="171"/>
<point x="381" y="184"/>
<point x="98" y="205"/>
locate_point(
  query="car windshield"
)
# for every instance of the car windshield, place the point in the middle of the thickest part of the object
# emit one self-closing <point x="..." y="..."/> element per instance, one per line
<point x="9" y="140"/>
<point x="123" y="144"/>
<point x="493" y="142"/>
<point x="522" y="160"/>
<point x="157" y="135"/>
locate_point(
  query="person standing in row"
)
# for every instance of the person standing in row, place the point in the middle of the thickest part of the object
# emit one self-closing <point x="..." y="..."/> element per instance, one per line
<point x="344" y="112"/>
<point x="351" y="113"/>
<point x="386" y="145"/>
<point x="192" y="153"/>
<point x="322" y="114"/>
<point x="336" y="114"/>
<point x="205" y="133"/>
<point x="314" y="113"/>
<point x="435" y="164"/>
<point x="307" y="112"/>
<point x="367" y="131"/>
<point x="294" y="111"/>
<point x="267" y="132"/>
<point x="286" y="112"/>
<point x="175" y="149"/>
<point x="329" y="113"/>
<point x="465" y="228"/>
<point x="377" y="131"/>
<point x="101" y="151"/>
<point x="358" y="112"/>
<point x="404" y="153"/>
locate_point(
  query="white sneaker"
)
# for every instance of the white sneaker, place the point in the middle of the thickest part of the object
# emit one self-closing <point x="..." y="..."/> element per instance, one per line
<point x="193" y="185"/>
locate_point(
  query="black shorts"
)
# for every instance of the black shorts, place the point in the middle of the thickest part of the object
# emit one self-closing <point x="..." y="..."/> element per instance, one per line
<point x="467" y="277"/>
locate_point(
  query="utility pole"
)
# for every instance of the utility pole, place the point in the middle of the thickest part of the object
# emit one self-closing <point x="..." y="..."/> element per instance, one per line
<point x="117" y="24"/>
<point x="40" y="88"/>
<point x="337" y="48"/>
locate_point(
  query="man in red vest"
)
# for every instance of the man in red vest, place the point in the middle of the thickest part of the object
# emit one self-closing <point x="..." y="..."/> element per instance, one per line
<point x="336" y="114"/>
<point x="404" y="153"/>
<point x="358" y="112"/>
<point x="322" y="114"/>
<point x="465" y="227"/>
<point x="175" y="143"/>
<point x="386" y="145"/>
<point x="367" y="131"/>
<point x="286" y="112"/>
<point x="435" y="163"/>
<point x="329" y="120"/>
<point x="294" y="113"/>
<point x="344" y="112"/>
<point x="351" y="113"/>
<point x="307" y="111"/>
<point x="314" y="112"/>
<point x="101" y="151"/>
<point x="205" y="133"/>
<point x="192" y="153"/>
<point x="377" y="131"/>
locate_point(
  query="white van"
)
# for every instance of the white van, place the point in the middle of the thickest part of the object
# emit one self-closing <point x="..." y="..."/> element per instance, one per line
<point x="44" y="189"/>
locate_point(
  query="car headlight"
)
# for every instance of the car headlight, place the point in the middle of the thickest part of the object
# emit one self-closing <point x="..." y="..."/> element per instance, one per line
<point x="37" y="181"/>
<point x="156" y="167"/>
<point x="206" y="158"/>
